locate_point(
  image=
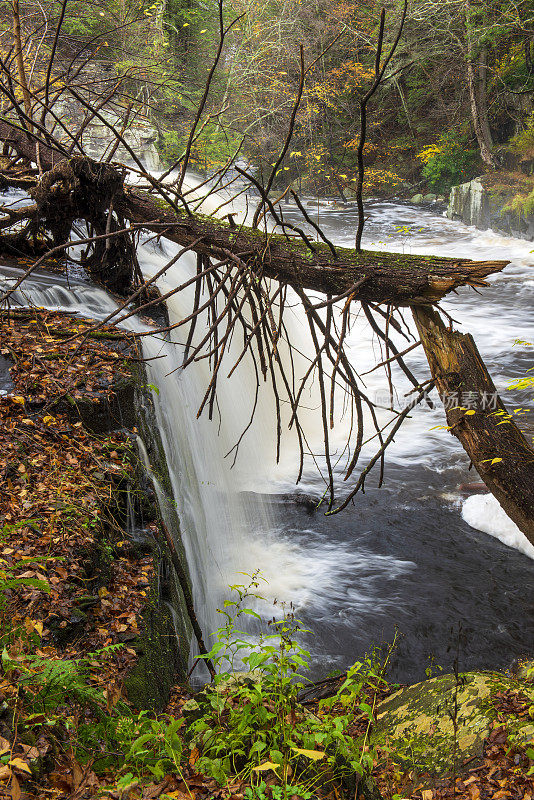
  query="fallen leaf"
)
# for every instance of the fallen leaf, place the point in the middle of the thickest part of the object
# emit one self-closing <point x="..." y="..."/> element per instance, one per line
<point x="18" y="763"/>
<point x="316" y="755"/>
<point x="266" y="766"/>
<point x="16" y="791"/>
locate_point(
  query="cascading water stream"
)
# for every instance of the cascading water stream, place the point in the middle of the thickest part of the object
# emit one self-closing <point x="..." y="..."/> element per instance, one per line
<point x="392" y="559"/>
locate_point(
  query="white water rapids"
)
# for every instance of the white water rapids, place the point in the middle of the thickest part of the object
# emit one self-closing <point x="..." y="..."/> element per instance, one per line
<point x="354" y="577"/>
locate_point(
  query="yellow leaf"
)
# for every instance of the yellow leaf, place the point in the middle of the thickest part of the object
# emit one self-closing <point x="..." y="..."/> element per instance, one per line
<point x="18" y="763"/>
<point x="495" y="460"/>
<point x="265" y="766"/>
<point x="18" y="399"/>
<point x="469" y="413"/>
<point x="315" y="755"/>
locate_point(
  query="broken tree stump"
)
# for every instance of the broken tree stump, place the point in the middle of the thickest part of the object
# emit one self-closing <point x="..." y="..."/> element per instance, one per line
<point x="498" y="449"/>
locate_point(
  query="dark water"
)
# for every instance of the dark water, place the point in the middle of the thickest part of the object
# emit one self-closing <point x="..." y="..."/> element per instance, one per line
<point x="463" y="586"/>
<point x="463" y="592"/>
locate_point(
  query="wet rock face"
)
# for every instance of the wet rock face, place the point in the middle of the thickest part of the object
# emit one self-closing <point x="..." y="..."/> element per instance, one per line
<point x="6" y="384"/>
<point x="98" y="137"/>
<point x="469" y="203"/>
<point x="140" y="136"/>
<point x="437" y="724"/>
<point x="477" y="205"/>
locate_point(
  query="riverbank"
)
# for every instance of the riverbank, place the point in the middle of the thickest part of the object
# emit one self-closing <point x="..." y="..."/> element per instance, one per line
<point x="78" y="585"/>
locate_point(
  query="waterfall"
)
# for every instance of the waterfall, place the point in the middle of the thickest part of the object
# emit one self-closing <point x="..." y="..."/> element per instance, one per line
<point x="226" y="526"/>
<point x="214" y="514"/>
<point x="392" y="558"/>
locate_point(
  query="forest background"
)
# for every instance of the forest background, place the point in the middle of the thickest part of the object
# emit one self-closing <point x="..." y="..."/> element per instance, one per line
<point x="458" y="99"/>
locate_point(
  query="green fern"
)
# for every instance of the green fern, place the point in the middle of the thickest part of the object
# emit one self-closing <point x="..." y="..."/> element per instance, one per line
<point x="50" y="683"/>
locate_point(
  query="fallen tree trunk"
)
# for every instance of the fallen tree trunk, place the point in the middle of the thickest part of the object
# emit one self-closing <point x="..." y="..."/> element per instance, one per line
<point x="476" y="415"/>
<point x="70" y="189"/>
<point x="377" y="277"/>
<point x="394" y="278"/>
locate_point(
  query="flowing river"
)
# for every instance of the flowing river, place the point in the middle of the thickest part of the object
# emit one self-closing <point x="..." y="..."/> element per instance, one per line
<point x="450" y="574"/>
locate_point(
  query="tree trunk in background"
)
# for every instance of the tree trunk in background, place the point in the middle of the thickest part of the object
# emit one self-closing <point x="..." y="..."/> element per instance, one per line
<point x="483" y="97"/>
<point x="19" y="56"/>
<point x="484" y="144"/>
<point x="478" y="108"/>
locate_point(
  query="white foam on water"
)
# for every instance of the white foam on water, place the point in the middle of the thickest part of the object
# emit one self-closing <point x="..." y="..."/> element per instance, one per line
<point x="483" y="512"/>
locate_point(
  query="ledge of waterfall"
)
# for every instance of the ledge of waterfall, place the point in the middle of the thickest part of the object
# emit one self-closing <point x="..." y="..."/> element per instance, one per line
<point x="80" y="509"/>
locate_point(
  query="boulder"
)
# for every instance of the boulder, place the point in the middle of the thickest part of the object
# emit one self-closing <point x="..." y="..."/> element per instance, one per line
<point x="417" y="724"/>
<point x="417" y="198"/>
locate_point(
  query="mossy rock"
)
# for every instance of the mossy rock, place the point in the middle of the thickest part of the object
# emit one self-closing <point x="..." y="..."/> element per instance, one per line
<point x="525" y="671"/>
<point x="416" y="723"/>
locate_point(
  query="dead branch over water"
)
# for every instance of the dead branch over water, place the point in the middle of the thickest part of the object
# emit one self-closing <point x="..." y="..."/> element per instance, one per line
<point x="242" y="282"/>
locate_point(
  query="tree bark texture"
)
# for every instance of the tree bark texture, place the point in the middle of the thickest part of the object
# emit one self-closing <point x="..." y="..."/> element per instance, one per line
<point x="394" y="278"/>
<point x="489" y="433"/>
<point x="477" y="108"/>
<point x="483" y="97"/>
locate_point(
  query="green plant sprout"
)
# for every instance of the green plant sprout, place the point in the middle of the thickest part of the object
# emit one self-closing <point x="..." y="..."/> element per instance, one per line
<point x="250" y="724"/>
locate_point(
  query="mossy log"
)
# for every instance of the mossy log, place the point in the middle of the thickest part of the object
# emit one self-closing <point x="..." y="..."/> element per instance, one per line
<point x="376" y="277"/>
<point x="499" y="451"/>
<point x="71" y="185"/>
<point x="396" y="279"/>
